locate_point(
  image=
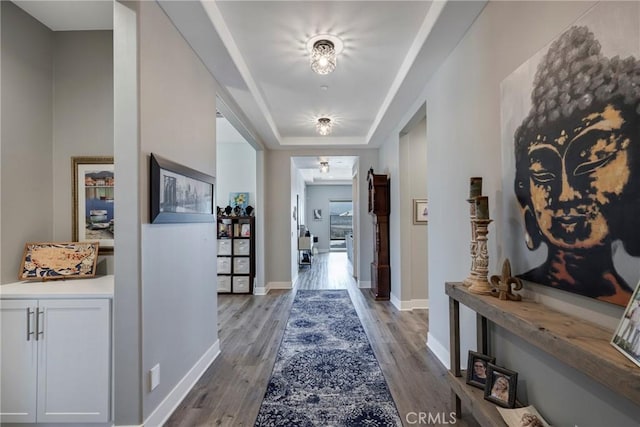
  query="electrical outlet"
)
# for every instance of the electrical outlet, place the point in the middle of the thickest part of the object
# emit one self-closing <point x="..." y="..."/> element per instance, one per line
<point x="154" y="377"/>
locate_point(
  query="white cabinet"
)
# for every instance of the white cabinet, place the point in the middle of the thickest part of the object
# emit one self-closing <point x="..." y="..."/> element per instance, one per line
<point x="55" y="357"/>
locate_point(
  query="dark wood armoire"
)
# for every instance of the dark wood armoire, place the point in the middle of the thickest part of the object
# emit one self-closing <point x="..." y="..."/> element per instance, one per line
<point x="379" y="210"/>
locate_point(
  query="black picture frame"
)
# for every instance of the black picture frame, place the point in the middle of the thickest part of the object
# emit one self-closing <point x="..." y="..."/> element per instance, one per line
<point x="492" y="392"/>
<point x="472" y="378"/>
<point x="179" y="194"/>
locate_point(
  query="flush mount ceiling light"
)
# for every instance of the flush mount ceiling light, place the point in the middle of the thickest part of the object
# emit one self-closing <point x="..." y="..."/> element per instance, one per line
<point x="323" y="126"/>
<point x="323" y="50"/>
<point x="324" y="167"/>
<point x="323" y="57"/>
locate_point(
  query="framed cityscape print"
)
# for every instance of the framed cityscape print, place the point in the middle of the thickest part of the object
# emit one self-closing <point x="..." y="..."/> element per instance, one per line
<point x="179" y="193"/>
<point x="92" y="201"/>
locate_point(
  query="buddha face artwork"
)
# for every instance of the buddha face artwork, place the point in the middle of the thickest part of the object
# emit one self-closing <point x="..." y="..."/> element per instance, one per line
<point x="576" y="161"/>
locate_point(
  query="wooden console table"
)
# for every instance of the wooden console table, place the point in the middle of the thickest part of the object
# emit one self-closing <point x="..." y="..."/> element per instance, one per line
<point x="582" y="345"/>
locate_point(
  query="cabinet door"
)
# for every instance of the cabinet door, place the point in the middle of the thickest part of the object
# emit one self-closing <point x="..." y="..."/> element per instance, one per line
<point x="18" y="370"/>
<point x="74" y="361"/>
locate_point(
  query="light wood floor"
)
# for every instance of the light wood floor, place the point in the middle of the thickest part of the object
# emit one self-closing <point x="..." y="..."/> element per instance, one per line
<point x="250" y="330"/>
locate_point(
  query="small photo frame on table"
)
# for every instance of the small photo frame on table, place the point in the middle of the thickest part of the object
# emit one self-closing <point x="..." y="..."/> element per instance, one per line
<point x="58" y="260"/>
<point x="501" y="386"/>
<point x="180" y="194"/>
<point x="92" y="193"/>
<point x="477" y="365"/>
<point x="420" y="211"/>
<point x="626" y="338"/>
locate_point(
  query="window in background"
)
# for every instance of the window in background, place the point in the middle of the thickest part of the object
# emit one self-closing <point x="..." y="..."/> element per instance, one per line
<point x="340" y="223"/>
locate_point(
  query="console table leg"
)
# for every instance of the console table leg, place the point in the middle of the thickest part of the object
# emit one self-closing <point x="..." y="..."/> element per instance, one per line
<point x="457" y="404"/>
<point x="481" y="334"/>
<point x="454" y="336"/>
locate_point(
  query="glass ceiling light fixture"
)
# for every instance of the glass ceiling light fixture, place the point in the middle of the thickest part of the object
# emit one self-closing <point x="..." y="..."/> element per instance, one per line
<point x="323" y="50"/>
<point x="323" y="57"/>
<point x="324" y="125"/>
<point x="324" y="167"/>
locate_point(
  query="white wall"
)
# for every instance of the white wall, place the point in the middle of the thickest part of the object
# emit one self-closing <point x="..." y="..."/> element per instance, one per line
<point x="177" y="122"/>
<point x="59" y="86"/>
<point x="236" y="168"/>
<point x="27" y="149"/>
<point x="298" y="197"/>
<point x="413" y="185"/>
<point x="82" y="115"/>
<point x="463" y="140"/>
<point x="318" y="197"/>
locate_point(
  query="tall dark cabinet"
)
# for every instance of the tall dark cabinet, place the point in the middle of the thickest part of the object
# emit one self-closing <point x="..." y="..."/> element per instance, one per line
<point x="379" y="210"/>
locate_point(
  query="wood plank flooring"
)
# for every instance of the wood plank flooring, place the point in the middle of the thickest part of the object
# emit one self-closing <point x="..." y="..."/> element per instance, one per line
<point x="250" y="330"/>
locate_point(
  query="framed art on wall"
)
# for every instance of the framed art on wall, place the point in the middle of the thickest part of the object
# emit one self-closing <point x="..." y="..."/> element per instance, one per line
<point x="179" y="193"/>
<point x="92" y="201"/>
<point x="571" y="158"/>
<point x="239" y="199"/>
<point x="420" y="211"/>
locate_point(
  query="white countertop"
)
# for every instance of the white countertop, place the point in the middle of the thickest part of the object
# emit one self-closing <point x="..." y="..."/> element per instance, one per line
<point x="97" y="287"/>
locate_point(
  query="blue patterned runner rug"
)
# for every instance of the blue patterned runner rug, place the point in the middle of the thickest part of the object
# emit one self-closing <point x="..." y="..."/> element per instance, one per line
<point x="326" y="373"/>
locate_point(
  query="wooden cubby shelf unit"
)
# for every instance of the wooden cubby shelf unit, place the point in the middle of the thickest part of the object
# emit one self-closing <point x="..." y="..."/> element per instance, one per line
<point x="582" y="345"/>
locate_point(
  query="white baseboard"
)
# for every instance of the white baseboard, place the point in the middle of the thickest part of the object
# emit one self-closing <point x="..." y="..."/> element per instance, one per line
<point x="420" y="304"/>
<point x="164" y="410"/>
<point x="260" y="290"/>
<point x="278" y="285"/>
<point x="363" y="284"/>
<point x="440" y="351"/>
<point x="409" y="305"/>
<point x="397" y="303"/>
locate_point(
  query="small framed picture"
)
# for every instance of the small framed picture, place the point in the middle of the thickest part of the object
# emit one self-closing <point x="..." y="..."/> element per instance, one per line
<point x="500" y="387"/>
<point x="477" y="368"/>
<point x="626" y="338"/>
<point x="92" y="193"/>
<point x="317" y="214"/>
<point x="420" y="211"/>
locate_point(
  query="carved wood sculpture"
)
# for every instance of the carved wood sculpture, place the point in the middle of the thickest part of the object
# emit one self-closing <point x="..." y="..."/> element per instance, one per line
<point x="502" y="284"/>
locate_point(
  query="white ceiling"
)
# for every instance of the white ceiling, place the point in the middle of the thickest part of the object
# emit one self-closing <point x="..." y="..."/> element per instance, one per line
<point x="257" y="52"/>
<point x="271" y="37"/>
<point x="71" y="15"/>
<point x="340" y="169"/>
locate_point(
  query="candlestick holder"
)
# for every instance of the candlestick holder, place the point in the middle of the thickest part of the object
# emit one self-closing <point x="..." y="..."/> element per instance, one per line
<point x="474" y="243"/>
<point x="480" y="284"/>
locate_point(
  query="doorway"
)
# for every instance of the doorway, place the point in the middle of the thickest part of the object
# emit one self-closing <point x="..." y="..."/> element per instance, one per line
<point x="340" y="224"/>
